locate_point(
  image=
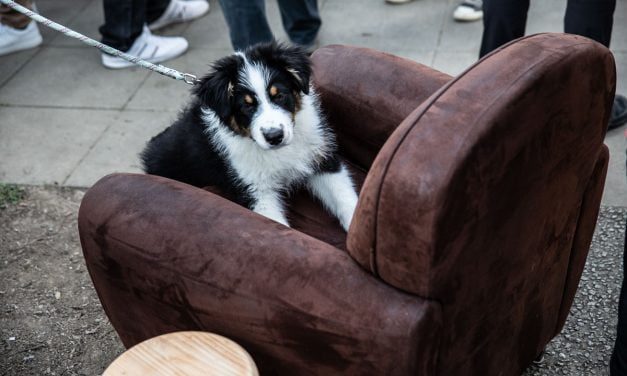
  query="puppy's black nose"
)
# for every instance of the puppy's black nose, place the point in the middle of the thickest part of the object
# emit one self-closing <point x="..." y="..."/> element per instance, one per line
<point x="274" y="136"/>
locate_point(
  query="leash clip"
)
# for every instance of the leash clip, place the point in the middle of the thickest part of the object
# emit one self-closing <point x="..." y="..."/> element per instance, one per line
<point x="190" y="79"/>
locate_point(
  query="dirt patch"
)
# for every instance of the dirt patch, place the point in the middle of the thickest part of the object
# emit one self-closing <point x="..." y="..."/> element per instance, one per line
<point x="51" y="322"/>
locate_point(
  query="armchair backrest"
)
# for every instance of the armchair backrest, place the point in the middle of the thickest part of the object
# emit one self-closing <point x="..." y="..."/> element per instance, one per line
<point x="481" y="195"/>
<point x="367" y="93"/>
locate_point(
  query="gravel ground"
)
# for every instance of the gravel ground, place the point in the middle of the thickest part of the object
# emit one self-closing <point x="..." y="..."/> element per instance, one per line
<point x="51" y="322"/>
<point x="585" y="345"/>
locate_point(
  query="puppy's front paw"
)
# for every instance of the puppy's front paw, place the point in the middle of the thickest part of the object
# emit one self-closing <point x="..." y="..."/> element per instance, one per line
<point x="282" y="221"/>
<point x="346" y="216"/>
<point x="274" y="215"/>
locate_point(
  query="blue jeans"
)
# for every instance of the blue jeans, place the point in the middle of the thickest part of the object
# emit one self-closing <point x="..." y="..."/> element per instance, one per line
<point x="125" y="19"/>
<point x="248" y="24"/>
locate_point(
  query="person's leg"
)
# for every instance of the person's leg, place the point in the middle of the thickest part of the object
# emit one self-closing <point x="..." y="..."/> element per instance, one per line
<point x="247" y="22"/>
<point x="590" y="18"/>
<point x="13" y="18"/>
<point x="124" y="22"/>
<point x="618" y="362"/>
<point x="155" y="8"/>
<point x="125" y="29"/>
<point x="503" y="21"/>
<point x="594" y="19"/>
<point x="301" y="20"/>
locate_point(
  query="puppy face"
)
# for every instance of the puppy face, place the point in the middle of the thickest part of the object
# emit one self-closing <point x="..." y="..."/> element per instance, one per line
<point x="257" y="93"/>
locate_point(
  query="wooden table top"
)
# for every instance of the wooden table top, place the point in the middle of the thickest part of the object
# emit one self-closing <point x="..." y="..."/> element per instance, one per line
<point x="184" y="353"/>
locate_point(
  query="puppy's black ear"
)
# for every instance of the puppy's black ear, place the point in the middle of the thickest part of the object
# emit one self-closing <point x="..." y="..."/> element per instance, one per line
<point x="294" y="60"/>
<point x="216" y="89"/>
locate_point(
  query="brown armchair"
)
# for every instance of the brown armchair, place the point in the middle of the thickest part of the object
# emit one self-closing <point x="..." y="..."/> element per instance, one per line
<point x="480" y="198"/>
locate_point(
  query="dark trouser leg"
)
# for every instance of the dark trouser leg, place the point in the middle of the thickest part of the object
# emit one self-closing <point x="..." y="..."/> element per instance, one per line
<point x="618" y="364"/>
<point x="247" y="22"/>
<point x="154" y="9"/>
<point x="125" y="19"/>
<point x="14" y="18"/>
<point x="301" y="20"/>
<point x="503" y="21"/>
<point x="590" y="18"/>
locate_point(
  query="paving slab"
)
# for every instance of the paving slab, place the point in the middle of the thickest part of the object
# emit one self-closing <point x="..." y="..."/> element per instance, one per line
<point x="621" y="72"/>
<point x="42" y="145"/>
<point x="375" y="24"/>
<point x="59" y="11"/>
<point x="546" y="16"/>
<point x="619" y="31"/>
<point x="460" y="36"/>
<point x="71" y="77"/>
<point x="615" y="192"/>
<point x="273" y="13"/>
<point x="162" y="94"/>
<point x="210" y="31"/>
<point x="422" y="57"/>
<point x="454" y="62"/>
<point x="118" y="149"/>
<point x="86" y="21"/>
<point x="11" y="64"/>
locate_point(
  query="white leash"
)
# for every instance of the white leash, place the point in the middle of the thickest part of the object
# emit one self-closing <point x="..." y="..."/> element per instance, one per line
<point x="172" y="73"/>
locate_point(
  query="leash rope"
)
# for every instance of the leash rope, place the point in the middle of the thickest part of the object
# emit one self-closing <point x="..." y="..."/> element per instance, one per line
<point x="169" y="72"/>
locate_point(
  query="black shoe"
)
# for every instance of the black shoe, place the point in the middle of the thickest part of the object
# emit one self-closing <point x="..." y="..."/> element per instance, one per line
<point x="619" y="112"/>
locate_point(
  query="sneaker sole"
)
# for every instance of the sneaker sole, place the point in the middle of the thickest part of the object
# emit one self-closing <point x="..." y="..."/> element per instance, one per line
<point x="121" y="64"/>
<point x="22" y="45"/>
<point x="468" y="18"/>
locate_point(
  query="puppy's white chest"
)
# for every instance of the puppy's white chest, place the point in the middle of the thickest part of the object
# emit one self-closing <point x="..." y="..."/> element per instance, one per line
<point x="278" y="168"/>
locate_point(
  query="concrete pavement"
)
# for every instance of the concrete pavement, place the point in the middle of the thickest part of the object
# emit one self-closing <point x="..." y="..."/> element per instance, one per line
<point x="64" y="119"/>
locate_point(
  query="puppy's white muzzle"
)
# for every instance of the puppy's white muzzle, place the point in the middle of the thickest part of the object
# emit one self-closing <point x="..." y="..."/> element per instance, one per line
<point x="272" y="128"/>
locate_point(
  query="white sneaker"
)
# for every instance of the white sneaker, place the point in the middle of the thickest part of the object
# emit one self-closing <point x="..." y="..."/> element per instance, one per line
<point x="149" y="47"/>
<point x="469" y="10"/>
<point x="12" y="40"/>
<point x="180" y="11"/>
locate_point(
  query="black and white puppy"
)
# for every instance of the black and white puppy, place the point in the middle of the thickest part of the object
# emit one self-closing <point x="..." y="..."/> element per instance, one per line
<point x="255" y="131"/>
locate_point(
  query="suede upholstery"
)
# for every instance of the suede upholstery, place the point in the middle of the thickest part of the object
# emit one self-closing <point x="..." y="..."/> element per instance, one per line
<point x="478" y="199"/>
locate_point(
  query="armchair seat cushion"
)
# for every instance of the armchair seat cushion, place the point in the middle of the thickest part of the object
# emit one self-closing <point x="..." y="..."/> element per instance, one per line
<point x="307" y="215"/>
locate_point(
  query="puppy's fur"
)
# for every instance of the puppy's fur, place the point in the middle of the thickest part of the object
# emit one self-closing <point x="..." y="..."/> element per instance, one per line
<point x="254" y="130"/>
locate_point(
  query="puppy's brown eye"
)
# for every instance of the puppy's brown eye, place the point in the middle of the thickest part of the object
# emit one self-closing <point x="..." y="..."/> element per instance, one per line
<point x="248" y="100"/>
<point x="275" y="94"/>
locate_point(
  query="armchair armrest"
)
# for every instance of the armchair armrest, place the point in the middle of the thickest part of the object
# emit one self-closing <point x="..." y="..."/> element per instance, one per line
<point x="165" y="256"/>
<point x="366" y="94"/>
